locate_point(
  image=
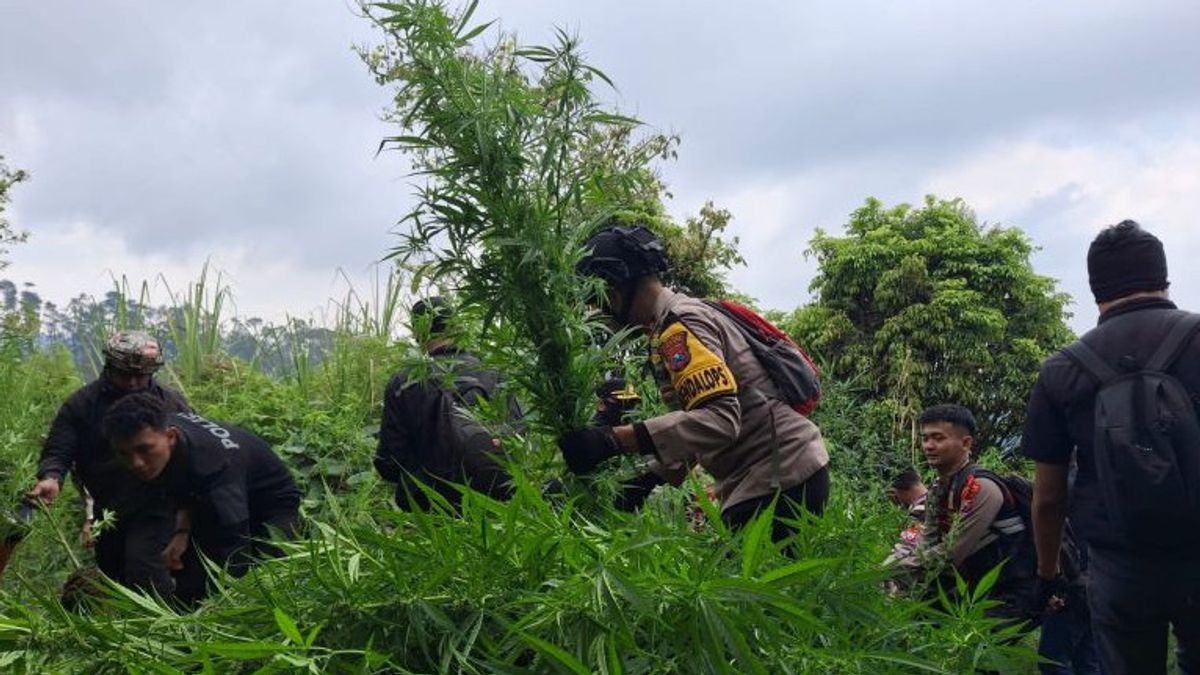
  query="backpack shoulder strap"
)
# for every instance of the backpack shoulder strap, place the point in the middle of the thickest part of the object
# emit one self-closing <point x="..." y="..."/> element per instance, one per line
<point x="959" y="481"/>
<point x="1087" y="358"/>
<point x="1172" y="345"/>
<point x="980" y="472"/>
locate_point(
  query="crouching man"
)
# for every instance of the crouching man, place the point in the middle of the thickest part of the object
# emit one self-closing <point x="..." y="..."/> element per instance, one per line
<point x="973" y="519"/>
<point x="229" y="490"/>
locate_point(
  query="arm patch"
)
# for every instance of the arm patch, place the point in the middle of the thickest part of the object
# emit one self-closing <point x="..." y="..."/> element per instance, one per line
<point x="697" y="374"/>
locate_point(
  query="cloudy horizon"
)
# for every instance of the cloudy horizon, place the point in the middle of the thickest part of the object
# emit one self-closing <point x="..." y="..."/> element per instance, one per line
<point x="159" y="136"/>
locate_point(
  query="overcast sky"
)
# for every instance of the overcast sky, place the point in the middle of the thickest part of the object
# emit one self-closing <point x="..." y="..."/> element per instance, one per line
<point x="159" y="135"/>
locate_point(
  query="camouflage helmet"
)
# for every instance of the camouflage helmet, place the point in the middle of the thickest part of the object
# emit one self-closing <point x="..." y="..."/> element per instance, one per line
<point x="133" y="351"/>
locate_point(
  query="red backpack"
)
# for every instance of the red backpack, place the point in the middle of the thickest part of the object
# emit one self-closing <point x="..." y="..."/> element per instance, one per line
<point x="791" y="369"/>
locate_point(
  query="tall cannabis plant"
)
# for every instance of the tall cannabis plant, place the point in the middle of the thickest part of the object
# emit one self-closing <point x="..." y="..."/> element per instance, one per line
<point x="506" y="137"/>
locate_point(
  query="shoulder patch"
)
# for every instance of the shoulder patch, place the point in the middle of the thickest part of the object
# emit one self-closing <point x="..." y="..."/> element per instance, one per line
<point x="674" y="351"/>
<point x="697" y="373"/>
<point x="969" y="492"/>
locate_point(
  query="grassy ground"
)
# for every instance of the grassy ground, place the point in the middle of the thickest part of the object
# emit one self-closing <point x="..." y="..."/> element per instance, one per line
<point x="535" y="585"/>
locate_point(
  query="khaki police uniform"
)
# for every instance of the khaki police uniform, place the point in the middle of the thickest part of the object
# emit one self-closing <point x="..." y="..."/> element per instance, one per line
<point x="728" y="418"/>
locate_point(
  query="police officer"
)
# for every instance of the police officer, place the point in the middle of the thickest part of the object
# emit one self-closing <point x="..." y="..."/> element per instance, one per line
<point x="229" y="491"/>
<point x="129" y="553"/>
<point x="426" y="435"/>
<point x="727" y="416"/>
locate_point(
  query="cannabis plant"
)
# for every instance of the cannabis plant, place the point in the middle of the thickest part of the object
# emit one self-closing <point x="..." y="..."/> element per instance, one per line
<point x="504" y="137"/>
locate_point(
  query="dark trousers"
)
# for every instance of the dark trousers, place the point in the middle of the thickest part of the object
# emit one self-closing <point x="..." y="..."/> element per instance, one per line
<point x="810" y="496"/>
<point x="1134" y="604"/>
<point x="131" y="553"/>
<point x="1066" y="640"/>
<point x="230" y="548"/>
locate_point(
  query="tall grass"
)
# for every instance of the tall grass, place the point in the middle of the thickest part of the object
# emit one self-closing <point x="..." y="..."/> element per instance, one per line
<point x="195" y="323"/>
<point x="125" y="307"/>
<point x="541" y="584"/>
<point x="530" y="586"/>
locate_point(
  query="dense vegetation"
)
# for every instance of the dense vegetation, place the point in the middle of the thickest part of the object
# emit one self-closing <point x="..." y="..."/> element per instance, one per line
<point x="925" y="305"/>
<point x="521" y="163"/>
<point x="535" y="585"/>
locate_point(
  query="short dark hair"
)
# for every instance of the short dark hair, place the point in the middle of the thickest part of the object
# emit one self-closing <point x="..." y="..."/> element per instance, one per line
<point x="907" y="479"/>
<point x="132" y="413"/>
<point x="949" y="413"/>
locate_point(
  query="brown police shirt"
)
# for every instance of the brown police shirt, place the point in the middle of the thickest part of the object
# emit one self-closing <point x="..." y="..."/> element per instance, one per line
<point x="725" y="404"/>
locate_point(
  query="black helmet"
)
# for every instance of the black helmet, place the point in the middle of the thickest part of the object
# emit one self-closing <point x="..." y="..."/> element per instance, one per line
<point x="620" y="254"/>
<point x="438" y="311"/>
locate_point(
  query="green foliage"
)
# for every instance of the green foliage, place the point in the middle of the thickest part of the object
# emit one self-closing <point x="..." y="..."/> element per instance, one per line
<point x="927" y="306"/>
<point x="521" y="163"/>
<point x="502" y="135"/>
<point x="536" y="585"/>
<point x="8" y="236"/>
<point x="859" y="432"/>
<point x="195" y="325"/>
<point x="700" y="256"/>
<point x="531" y="586"/>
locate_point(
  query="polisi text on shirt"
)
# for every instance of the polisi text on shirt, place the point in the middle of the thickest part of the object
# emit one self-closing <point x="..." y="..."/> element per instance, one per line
<point x="213" y="428"/>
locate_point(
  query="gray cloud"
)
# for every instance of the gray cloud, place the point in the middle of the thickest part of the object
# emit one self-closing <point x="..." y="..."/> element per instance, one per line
<point x="779" y="86"/>
<point x="177" y="126"/>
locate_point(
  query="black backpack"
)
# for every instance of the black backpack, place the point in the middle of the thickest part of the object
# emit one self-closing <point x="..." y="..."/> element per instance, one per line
<point x="1146" y="443"/>
<point x="453" y="446"/>
<point x="1016" y="538"/>
<point x="467" y="451"/>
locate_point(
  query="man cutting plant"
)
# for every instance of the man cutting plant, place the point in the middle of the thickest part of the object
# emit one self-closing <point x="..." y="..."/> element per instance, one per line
<point x="731" y="414"/>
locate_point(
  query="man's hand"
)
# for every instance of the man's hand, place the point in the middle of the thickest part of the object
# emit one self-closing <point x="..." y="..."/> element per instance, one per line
<point x="1051" y="594"/>
<point x="586" y="449"/>
<point x="45" y="491"/>
<point x="172" y="555"/>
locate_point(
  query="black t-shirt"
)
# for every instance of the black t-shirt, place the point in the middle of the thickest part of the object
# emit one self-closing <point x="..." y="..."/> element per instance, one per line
<point x="1059" y="422"/>
<point x="74" y="443"/>
<point x="229" y="477"/>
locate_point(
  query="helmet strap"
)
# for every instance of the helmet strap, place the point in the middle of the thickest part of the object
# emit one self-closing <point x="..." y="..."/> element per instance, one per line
<point x="627" y="290"/>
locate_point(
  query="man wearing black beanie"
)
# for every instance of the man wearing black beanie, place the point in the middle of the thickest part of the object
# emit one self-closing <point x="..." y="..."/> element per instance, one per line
<point x="1121" y="403"/>
<point x="1126" y="262"/>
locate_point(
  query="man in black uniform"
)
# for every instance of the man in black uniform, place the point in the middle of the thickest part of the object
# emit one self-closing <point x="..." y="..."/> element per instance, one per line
<point x="1144" y="573"/>
<point x="426" y="434"/>
<point x="129" y="553"/>
<point x="229" y="491"/>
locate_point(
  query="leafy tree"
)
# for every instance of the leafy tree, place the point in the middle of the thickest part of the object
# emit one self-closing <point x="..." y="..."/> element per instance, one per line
<point x="8" y="236"/>
<point x="700" y="255"/>
<point x="926" y="305"/>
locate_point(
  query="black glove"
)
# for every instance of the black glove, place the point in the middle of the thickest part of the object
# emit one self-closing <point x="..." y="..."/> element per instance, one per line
<point x="635" y="491"/>
<point x="1051" y="594"/>
<point x="586" y="449"/>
